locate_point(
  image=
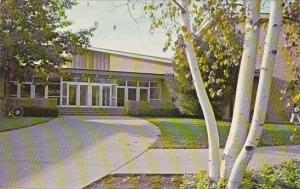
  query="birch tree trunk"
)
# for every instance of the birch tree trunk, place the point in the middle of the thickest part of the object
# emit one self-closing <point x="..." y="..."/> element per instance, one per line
<point x="239" y="125"/>
<point x="211" y="125"/>
<point x="262" y="96"/>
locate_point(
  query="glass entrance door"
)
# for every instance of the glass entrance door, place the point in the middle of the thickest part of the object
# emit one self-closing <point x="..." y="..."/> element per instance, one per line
<point x="83" y="95"/>
<point x="106" y="93"/>
<point x="95" y="95"/>
<point x="72" y="94"/>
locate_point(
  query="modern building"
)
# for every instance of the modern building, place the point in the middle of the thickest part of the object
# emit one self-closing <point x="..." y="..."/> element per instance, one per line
<point x="110" y="82"/>
<point x="101" y="80"/>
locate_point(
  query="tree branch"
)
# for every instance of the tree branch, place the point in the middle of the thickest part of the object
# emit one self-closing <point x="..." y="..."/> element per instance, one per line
<point x="178" y="4"/>
<point x="291" y="19"/>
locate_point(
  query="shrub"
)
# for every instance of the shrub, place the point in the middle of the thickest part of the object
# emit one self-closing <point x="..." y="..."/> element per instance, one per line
<point x="35" y="111"/>
<point x="151" y="109"/>
<point x="282" y="176"/>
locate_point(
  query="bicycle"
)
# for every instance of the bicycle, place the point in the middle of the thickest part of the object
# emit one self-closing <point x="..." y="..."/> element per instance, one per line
<point x="16" y="111"/>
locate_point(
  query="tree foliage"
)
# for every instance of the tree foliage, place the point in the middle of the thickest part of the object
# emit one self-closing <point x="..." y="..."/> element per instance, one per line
<point x="218" y="47"/>
<point x="291" y="27"/>
<point x="35" y="39"/>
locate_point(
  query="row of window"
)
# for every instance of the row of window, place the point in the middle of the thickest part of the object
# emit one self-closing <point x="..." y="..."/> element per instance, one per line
<point x="127" y="90"/>
<point x="30" y="90"/>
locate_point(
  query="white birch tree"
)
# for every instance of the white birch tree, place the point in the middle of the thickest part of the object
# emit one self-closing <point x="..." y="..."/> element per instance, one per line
<point x="262" y="96"/>
<point x="239" y="125"/>
<point x="211" y="124"/>
<point x="241" y="144"/>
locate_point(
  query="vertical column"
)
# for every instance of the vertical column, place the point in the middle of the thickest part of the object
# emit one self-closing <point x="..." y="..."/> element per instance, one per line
<point x="18" y="90"/>
<point x="126" y="93"/>
<point x="89" y="95"/>
<point x="77" y="95"/>
<point x="101" y="95"/>
<point x="61" y="91"/>
<point x="46" y="91"/>
<point x="32" y="90"/>
<point x="67" y="96"/>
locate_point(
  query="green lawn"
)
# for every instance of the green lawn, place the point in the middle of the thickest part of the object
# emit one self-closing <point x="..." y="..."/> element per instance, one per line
<point x="17" y="123"/>
<point x="191" y="133"/>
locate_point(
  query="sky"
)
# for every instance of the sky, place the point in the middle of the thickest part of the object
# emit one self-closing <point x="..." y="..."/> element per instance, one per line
<point x="127" y="36"/>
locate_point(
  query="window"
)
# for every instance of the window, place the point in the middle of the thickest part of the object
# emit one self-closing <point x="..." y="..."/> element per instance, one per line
<point x="154" y="91"/>
<point x="121" y="96"/>
<point x="132" y="94"/>
<point x="39" y="91"/>
<point x="54" y="90"/>
<point x="154" y="94"/>
<point x="25" y="90"/>
<point x="64" y="93"/>
<point x="83" y="95"/>
<point x="13" y="89"/>
<point x="143" y="94"/>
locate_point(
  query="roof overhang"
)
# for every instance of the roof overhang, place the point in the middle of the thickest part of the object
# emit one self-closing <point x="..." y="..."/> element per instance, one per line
<point x="133" y="55"/>
<point x="112" y="73"/>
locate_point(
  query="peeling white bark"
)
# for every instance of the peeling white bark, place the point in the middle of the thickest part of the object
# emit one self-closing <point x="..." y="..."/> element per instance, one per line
<point x="262" y="96"/>
<point x="211" y="125"/>
<point x="239" y="125"/>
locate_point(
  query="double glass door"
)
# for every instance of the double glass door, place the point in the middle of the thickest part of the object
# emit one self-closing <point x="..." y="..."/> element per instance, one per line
<point x="101" y="95"/>
<point x="89" y="95"/>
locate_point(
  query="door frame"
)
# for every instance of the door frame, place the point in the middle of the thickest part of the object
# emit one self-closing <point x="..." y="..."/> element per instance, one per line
<point x="89" y="91"/>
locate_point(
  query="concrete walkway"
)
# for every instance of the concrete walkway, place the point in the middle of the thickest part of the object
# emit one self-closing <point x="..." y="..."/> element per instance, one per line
<point x="189" y="161"/>
<point x="71" y="152"/>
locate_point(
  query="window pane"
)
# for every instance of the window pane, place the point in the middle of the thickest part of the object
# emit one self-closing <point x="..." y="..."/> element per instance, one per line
<point x="95" y="95"/>
<point x="64" y="100"/>
<point x="39" y="91"/>
<point x="106" y="96"/>
<point x="65" y="88"/>
<point x="54" y="89"/>
<point x="131" y="94"/>
<point x="83" y="95"/>
<point x="144" y="84"/>
<point x="143" y="94"/>
<point x="25" y="90"/>
<point x="72" y="94"/>
<point x="121" y="97"/>
<point x="154" y="93"/>
<point x="13" y="89"/>
<point x="132" y="83"/>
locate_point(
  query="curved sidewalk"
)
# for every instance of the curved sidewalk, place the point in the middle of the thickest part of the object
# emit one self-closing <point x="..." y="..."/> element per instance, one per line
<point x="71" y="152"/>
<point x="191" y="161"/>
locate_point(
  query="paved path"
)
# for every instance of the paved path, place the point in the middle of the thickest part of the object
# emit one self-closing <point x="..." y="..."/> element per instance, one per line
<point x="188" y="161"/>
<point x="71" y="152"/>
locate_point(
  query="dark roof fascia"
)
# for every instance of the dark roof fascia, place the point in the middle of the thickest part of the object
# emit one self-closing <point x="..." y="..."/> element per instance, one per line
<point x="112" y="73"/>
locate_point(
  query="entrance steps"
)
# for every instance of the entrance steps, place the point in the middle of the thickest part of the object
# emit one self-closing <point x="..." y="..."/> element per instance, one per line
<point x="91" y="111"/>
